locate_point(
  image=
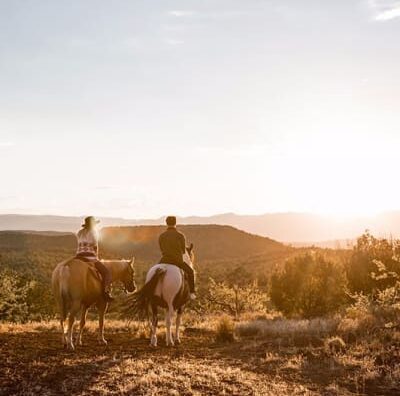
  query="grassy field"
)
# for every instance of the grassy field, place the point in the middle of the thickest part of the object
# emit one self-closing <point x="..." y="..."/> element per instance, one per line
<point x="266" y="357"/>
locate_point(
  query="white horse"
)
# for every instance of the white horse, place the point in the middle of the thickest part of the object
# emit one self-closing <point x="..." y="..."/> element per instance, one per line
<point x="165" y="287"/>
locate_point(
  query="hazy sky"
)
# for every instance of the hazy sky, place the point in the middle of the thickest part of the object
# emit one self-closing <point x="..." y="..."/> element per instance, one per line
<point x="144" y="108"/>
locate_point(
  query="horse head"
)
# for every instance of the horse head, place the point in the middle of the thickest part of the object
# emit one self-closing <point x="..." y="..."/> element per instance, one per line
<point x="128" y="276"/>
<point x="189" y="255"/>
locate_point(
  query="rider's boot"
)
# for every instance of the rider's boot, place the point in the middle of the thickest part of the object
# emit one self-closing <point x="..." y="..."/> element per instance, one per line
<point x="107" y="294"/>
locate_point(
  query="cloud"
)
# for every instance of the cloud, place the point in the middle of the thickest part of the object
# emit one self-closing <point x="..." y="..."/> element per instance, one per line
<point x="389" y="14"/>
<point x="385" y="10"/>
<point x="180" y="13"/>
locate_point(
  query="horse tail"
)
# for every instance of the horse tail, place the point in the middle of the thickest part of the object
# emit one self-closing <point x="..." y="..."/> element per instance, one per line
<point x="64" y="291"/>
<point x="138" y="303"/>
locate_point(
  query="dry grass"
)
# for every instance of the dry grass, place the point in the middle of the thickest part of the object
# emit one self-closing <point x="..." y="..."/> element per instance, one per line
<point x="334" y="345"/>
<point x="225" y="331"/>
<point x="288" y="327"/>
<point x="274" y="357"/>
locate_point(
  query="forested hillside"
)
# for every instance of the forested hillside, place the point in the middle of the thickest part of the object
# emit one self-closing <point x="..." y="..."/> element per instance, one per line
<point x="212" y="242"/>
<point x="222" y="252"/>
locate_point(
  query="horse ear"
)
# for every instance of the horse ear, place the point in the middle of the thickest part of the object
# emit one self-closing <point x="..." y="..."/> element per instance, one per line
<point x="191" y="247"/>
<point x="132" y="261"/>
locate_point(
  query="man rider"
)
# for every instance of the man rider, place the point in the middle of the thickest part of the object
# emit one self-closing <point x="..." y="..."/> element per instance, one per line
<point x="173" y="246"/>
<point x="88" y="246"/>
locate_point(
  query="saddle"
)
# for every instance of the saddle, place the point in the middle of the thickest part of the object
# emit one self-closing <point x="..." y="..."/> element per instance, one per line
<point x="92" y="266"/>
<point x="85" y="259"/>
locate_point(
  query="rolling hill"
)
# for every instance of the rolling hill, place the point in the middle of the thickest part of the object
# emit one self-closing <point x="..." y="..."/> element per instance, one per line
<point x="303" y="228"/>
<point x="212" y="242"/>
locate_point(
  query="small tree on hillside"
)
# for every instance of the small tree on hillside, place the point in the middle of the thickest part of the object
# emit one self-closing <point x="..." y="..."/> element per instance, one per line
<point x="235" y="299"/>
<point x="13" y="297"/>
<point x="308" y="285"/>
<point x="363" y="260"/>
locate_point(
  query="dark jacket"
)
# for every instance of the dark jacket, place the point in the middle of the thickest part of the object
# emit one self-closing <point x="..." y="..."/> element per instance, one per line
<point x="173" y="246"/>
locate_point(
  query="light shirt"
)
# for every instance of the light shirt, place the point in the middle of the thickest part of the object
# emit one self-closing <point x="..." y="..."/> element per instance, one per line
<point x="88" y="241"/>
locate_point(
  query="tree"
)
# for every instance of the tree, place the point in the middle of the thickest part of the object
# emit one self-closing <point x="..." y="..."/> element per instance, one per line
<point x="13" y="297"/>
<point x="308" y="285"/>
<point x="235" y="299"/>
<point x="362" y="263"/>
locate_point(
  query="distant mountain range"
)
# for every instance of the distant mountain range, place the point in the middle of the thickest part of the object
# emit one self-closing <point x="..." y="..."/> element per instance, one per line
<point x="296" y="228"/>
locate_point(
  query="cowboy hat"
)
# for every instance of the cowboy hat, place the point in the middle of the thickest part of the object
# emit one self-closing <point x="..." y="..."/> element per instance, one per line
<point x="89" y="221"/>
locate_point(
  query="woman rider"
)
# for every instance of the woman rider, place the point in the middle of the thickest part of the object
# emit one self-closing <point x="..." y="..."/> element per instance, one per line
<point x="88" y="246"/>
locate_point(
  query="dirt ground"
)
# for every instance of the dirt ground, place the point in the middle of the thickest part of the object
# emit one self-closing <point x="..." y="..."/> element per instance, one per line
<point x="33" y="362"/>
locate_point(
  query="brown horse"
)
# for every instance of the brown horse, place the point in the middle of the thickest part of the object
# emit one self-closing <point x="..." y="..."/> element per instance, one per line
<point x="77" y="286"/>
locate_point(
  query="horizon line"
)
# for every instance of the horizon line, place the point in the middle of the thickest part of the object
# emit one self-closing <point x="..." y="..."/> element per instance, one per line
<point x="154" y="218"/>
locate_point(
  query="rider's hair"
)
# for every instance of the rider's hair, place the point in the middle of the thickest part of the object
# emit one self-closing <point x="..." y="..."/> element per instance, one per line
<point x="171" y="221"/>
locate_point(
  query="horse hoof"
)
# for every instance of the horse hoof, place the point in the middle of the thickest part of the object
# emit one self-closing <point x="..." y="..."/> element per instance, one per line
<point x="103" y="342"/>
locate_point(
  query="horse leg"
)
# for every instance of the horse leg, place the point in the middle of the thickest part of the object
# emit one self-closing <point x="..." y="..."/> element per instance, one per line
<point x="178" y="323"/>
<point x="102" y="307"/>
<point x="168" y="322"/>
<point x="71" y="320"/>
<point x="63" y="338"/>
<point x="63" y="316"/>
<point x="82" y="324"/>
<point x="154" y="322"/>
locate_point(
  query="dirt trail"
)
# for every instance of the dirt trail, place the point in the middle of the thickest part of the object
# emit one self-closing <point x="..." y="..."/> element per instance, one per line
<point x="32" y="362"/>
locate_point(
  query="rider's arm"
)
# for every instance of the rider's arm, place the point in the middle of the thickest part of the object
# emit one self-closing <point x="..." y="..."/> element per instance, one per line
<point x="183" y="243"/>
<point x="160" y="242"/>
<point x="94" y="239"/>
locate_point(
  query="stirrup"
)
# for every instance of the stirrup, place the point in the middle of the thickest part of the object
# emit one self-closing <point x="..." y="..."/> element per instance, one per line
<point x="193" y="296"/>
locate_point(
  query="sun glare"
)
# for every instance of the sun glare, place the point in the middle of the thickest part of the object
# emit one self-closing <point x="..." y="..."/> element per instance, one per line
<point x="341" y="178"/>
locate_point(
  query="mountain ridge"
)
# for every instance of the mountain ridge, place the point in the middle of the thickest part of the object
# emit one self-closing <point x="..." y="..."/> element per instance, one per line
<point x="288" y="227"/>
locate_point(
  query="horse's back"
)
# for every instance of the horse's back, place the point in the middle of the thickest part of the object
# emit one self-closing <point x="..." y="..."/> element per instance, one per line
<point x="170" y="284"/>
<point x="75" y="277"/>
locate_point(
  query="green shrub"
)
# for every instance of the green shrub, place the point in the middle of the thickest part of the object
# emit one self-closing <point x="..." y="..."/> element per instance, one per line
<point x="363" y="262"/>
<point x="309" y="285"/>
<point x="13" y="297"/>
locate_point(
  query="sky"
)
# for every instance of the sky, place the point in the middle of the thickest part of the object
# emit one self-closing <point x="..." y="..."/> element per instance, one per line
<point x="195" y="107"/>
